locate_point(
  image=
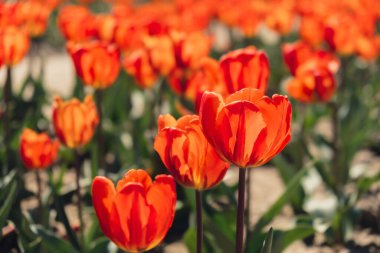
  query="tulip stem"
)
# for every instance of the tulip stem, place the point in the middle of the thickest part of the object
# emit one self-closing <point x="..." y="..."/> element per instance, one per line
<point x="79" y="197"/>
<point x="100" y="139"/>
<point x="240" y="211"/>
<point x="7" y="118"/>
<point x="248" y="206"/>
<point x="39" y="195"/>
<point x="198" y="199"/>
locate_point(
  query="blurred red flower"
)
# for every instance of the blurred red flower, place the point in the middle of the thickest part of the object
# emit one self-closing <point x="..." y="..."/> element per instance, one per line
<point x="96" y="63"/>
<point x="245" y="68"/>
<point x="37" y="151"/>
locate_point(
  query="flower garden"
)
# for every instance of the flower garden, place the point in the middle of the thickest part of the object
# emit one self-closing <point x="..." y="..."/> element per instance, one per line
<point x="190" y="126"/>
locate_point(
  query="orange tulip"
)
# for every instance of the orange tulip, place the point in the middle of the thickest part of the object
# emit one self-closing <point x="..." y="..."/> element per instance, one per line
<point x="247" y="129"/>
<point x="312" y="83"/>
<point x="14" y="44"/>
<point x="137" y="64"/>
<point x="187" y="155"/>
<point x="38" y="151"/>
<point x="105" y="27"/>
<point x="97" y="63"/>
<point x="245" y="68"/>
<point x="76" y="23"/>
<point x="137" y="214"/>
<point x="35" y="16"/>
<point x="280" y="19"/>
<point x="74" y="122"/>
<point x="190" y="48"/>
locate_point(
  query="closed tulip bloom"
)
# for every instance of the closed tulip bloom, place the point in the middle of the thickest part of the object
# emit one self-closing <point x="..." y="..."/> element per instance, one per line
<point x="313" y="83"/>
<point x="299" y="53"/>
<point x="14" y="44"/>
<point x="96" y="63"/>
<point x="74" y="122"/>
<point x="245" y="68"/>
<point x="138" y="65"/>
<point x="76" y="23"/>
<point x="37" y="151"/>
<point x="186" y="153"/>
<point x="137" y="214"/>
<point x="247" y="129"/>
<point x="35" y="16"/>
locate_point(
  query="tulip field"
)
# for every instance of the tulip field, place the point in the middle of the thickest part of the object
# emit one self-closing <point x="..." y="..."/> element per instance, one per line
<point x="190" y="126"/>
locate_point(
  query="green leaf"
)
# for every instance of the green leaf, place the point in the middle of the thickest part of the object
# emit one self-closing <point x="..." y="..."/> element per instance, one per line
<point x="255" y="237"/>
<point x="59" y="206"/>
<point x="11" y="190"/>
<point x="282" y="200"/>
<point x="100" y="245"/>
<point x="267" y="245"/>
<point x="51" y="243"/>
<point x="282" y="239"/>
<point x="190" y="239"/>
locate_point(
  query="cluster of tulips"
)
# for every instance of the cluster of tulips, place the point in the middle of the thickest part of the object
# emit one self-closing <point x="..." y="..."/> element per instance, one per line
<point x="231" y="123"/>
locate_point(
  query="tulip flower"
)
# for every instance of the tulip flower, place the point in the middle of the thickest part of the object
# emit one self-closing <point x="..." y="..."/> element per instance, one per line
<point x="37" y="151"/>
<point x="137" y="214"/>
<point x="187" y="155"/>
<point x="298" y="53"/>
<point x="96" y="63"/>
<point x="14" y="44"/>
<point x="247" y="129"/>
<point x="74" y="122"/>
<point x="76" y="23"/>
<point x="35" y="16"/>
<point x="245" y="68"/>
<point x="312" y="83"/>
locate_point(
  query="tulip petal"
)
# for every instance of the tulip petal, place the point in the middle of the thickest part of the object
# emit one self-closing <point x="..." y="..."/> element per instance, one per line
<point x="135" y="215"/>
<point x="103" y="193"/>
<point x="216" y="124"/>
<point x="161" y="195"/>
<point x="248" y="123"/>
<point x="134" y="176"/>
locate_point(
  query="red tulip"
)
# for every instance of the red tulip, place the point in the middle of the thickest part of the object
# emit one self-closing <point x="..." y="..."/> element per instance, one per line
<point x="247" y="129"/>
<point x="245" y="68"/>
<point x="137" y="214"/>
<point x="97" y="63"/>
<point x="186" y="153"/>
<point x="312" y="83"/>
<point x="38" y="151"/>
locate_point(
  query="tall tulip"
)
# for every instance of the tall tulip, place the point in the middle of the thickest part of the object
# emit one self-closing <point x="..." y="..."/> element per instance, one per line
<point x="137" y="214"/>
<point x="38" y="151"/>
<point x="247" y="129"/>
<point x="188" y="156"/>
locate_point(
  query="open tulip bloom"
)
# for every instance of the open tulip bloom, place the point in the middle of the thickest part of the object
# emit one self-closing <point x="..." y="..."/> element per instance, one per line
<point x="137" y="214"/>
<point x="247" y="129"/>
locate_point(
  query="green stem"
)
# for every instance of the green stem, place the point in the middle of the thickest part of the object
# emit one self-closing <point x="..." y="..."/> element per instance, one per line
<point x="7" y="119"/>
<point x="79" y="197"/>
<point x="248" y="206"/>
<point x="100" y="137"/>
<point x="240" y="211"/>
<point x="39" y="196"/>
<point x="198" y="199"/>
